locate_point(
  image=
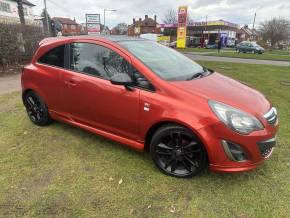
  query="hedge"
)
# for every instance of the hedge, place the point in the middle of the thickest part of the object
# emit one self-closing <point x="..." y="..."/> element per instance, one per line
<point x="18" y="43"/>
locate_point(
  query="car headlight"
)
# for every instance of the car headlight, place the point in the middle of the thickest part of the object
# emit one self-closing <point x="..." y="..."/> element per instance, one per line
<point x="235" y="119"/>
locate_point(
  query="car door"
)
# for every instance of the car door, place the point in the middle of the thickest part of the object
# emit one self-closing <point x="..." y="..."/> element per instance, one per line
<point x="91" y="99"/>
<point x="49" y="69"/>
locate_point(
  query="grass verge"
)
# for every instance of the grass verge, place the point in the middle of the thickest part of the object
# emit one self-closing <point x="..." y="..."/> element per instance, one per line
<point x="265" y="56"/>
<point x="62" y="171"/>
<point x="202" y="50"/>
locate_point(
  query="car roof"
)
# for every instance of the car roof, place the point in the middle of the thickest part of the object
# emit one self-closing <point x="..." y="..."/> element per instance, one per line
<point x="105" y="38"/>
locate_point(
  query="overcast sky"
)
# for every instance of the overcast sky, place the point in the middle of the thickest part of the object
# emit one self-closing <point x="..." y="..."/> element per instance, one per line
<point x="237" y="11"/>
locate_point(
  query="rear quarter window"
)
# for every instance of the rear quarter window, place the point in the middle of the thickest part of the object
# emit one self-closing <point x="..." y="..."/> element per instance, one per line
<point x="54" y="57"/>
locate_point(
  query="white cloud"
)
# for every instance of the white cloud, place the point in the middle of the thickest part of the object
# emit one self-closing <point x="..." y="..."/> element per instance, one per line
<point x="240" y="12"/>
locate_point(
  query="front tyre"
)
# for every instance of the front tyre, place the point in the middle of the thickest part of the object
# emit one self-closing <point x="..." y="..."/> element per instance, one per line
<point x="37" y="110"/>
<point x="176" y="151"/>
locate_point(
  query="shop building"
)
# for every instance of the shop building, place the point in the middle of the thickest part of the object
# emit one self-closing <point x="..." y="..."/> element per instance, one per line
<point x="200" y="32"/>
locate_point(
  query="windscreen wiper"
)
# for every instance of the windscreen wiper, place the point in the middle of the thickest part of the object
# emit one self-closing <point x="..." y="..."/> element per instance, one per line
<point x="200" y="74"/>
<point x="196" y="75"/>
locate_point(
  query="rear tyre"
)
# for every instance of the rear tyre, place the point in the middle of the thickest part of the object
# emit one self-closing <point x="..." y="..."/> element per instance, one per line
<point x="37" y="110"/>
<point x="177" y="152"/>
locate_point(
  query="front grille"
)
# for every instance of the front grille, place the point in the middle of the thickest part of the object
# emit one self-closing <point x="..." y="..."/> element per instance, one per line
<point x="271" y="116"/>
<point x="266" y="147"/>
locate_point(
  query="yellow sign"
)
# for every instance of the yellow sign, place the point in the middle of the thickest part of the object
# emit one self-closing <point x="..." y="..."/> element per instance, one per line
<point x="163" y="39"/>
<point x="215" y="23"/>
<point x="181" y="29"/>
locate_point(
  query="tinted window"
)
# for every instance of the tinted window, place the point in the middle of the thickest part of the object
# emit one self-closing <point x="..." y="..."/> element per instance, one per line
<point x="55" y="57"/>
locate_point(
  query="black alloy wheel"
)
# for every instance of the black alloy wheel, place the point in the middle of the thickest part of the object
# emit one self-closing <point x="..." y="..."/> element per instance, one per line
<point x="176" y="151"/>
<point x="36" y="109"/>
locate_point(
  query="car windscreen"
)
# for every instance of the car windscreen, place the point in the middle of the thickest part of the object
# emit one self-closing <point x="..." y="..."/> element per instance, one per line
<point x="163" y="61"/>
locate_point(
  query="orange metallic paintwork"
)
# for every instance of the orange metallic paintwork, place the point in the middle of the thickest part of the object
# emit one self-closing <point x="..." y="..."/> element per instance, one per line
<point x="113" y="111"/>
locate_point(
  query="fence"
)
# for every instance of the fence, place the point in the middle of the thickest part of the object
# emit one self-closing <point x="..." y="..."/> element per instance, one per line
<point x="18" y="43"/>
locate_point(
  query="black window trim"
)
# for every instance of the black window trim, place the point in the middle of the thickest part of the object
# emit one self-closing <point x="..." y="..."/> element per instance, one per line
<point x="68" y="62"/>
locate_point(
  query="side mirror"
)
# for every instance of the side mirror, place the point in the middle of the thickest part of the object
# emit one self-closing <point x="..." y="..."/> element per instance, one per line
<point x="121" y="79"/>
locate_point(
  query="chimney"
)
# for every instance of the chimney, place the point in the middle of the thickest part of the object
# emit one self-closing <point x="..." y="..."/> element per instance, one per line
<point x="134" y="21"/>
<point x="146" y="16"/>
<point x="155" y="19"/>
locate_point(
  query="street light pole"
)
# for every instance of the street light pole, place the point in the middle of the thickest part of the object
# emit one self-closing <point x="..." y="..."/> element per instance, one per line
<point x="105" y="17"/>
<point x="46" y="16"/>
<point x="253" y="35"/>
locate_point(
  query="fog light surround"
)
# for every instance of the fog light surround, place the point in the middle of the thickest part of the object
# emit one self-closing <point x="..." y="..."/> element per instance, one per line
<point x="234" y="151"/>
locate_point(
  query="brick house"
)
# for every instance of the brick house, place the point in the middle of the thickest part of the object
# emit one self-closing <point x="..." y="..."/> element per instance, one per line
<point x="148" y="25"/>
<point x="247" y="34"/>
<point x="9" y="12"/>
<point x="69" y="26"/>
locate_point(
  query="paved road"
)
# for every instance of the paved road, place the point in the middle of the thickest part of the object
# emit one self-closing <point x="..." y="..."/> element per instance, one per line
<point x="9" y="84"/>
<point x="199" y="57"/>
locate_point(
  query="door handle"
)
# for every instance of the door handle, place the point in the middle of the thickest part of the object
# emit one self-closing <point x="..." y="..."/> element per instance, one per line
<point x="70" y="84"/>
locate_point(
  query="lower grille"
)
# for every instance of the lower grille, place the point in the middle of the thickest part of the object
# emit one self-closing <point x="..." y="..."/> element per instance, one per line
<point x="266" y="147"/>
<point x="271" y="116"/>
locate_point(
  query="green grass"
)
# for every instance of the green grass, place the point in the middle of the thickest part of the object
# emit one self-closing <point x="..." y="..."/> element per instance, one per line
<point x="279" y="52"/>
<point x="195" y="50"/>
<point x="274" y="55"/>
<point x="62" y="171"/>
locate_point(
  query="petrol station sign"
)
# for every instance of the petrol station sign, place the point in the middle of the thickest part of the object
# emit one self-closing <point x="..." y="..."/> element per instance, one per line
<point x="181" y="28"/>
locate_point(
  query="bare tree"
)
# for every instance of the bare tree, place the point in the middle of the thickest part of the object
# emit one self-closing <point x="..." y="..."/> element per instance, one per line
<point x="121" y="29"/>
<point x="44" y="21"/>
<point x="275" y="30"/>
<point x="170" y="17"/>
<point x="20" y="12"/>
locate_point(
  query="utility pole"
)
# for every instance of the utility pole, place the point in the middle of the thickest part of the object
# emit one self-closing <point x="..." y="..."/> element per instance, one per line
<point x="105" y="17"/>
<point x="253" y="35"/>
<point x="104" y="20"/>
<point x="46" y="16"/>
<point x="20" y="12"/>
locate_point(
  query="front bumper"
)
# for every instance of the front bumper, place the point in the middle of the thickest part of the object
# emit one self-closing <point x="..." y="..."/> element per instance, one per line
<point x="253" y="145"/>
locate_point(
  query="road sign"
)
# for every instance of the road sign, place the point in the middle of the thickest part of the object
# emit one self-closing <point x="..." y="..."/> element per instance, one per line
<point x="93" y="24"/>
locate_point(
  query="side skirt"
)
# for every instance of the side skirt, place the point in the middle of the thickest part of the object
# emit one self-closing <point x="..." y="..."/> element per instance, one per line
<point x="131" y="143"/>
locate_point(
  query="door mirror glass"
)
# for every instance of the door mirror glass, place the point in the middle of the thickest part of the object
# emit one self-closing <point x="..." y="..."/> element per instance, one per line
<point x="121" y="79"/>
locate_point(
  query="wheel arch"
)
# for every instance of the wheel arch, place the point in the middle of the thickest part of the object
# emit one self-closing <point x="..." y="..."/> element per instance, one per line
<point x="34" y="89"/>
<point x="156" y="126"/>
<point x="24" y="92"/>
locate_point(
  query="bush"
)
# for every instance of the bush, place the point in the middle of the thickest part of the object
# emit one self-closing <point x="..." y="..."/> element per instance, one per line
<point x="18" y="44"/>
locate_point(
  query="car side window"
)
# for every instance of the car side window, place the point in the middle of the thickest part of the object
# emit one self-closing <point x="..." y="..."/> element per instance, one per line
<point x="96" y="60"/>
<point x="102" y="62"/>
<point x="54" y="57"/>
